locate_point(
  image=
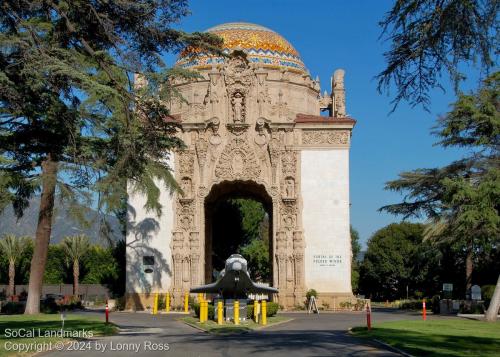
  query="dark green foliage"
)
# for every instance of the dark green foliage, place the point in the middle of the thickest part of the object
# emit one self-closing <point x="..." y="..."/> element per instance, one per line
<point x="257" y="254"/>
<point x="242" y="226"/>
<point x="12" y="308"/>
<point x="398" y="258"/>
<point x="66" y="84"/>
<point x="430" y="38"/>
<point x="311" y="292"/>
<point x="99" y="266"/>
<point x="272" y="309"/>
<point x="487" y="293"/>
<point x="416" y="305"/>
<point x="117" y="285"/>
<point x="56" y="269"/>
<point x="72" y="123"/>
<point x="356" y="249"/>
<point x="461" y="200"/>
<point x="49" y="306"/>
<point x="22" y="266"/>
<point x="196" y="308"/>
<point x="435" y="304"/>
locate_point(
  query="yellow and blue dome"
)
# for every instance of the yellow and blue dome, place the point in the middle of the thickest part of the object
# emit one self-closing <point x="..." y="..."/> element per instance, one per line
<point x="261" y="45"/>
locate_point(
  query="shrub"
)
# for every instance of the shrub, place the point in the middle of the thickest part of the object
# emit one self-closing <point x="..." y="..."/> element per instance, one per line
<point x="272" y="309"/>
<point x="120" y="303"/>
<point x="211" y="310"/>
<point x="311" y="292"/>
<point x="12" y="308"/>
<point x="162" y="304"/>
<point x="471" y="308"/>
<point x="415" y="304"/>
<point x="435" y="304"/>
<point x="487" y="293"/>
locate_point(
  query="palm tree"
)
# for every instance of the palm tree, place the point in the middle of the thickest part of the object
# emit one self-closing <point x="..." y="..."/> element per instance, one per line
<point x="13" y="247"/>
<point x="75" y="248"/>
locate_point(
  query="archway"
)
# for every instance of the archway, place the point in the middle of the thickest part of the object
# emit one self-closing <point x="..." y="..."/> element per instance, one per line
<point x="225" y="233"/>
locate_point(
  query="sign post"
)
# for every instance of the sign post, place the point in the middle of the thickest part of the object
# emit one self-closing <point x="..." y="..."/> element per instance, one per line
<point x="368" y="316"/>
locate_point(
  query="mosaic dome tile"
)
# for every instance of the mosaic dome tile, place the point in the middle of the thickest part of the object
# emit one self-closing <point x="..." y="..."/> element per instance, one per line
<point x="262" y="46"/>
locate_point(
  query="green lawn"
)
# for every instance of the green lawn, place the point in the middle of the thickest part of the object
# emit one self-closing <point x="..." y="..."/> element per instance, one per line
<point x="44" y="323"/>
<point x="229" y="327"/>
<point x="439" y="337"/>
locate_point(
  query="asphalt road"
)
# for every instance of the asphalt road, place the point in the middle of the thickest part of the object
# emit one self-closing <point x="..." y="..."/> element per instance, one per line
<point x="307" y="335"/>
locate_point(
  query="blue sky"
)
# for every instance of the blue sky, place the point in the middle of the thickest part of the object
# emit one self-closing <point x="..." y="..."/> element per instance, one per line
<point x="345" y="34"/>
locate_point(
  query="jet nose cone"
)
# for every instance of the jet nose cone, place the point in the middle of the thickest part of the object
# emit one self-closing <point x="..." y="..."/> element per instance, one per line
<point x="237" y="266"/>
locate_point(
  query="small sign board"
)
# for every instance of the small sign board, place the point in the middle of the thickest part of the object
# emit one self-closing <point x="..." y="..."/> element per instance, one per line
<point x="447" y="287"/>
<point x="447" y="290"/>
<point x="475" y="292"/>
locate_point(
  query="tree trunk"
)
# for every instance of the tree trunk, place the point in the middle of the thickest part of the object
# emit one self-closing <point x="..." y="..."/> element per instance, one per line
<point x="469" y="268"/>
<point x="12" y="275"/>
<point x="42" y="235"/>
<point x="76" y="277"/>
<point x="491" y="314"/>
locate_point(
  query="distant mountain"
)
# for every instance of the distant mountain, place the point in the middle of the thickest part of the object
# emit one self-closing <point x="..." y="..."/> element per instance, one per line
<point x="63" y="224"/>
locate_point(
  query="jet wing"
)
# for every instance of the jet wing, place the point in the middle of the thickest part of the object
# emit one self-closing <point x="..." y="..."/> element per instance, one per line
<point x="209" y="288"/>
<point x="262" y="289"/>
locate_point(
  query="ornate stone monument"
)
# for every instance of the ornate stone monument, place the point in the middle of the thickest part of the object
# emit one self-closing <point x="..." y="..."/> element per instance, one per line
<point x="252" y="124"/>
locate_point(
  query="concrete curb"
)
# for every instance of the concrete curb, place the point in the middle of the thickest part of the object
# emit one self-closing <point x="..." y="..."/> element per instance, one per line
<point x="243" y="331"/>
<point x="385" y="345"/>
<point x="262" y="327"/>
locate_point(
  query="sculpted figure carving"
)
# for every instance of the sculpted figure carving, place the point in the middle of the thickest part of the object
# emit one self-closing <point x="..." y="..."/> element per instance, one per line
<point x="215" y="138"/>
<point x="261" y="137"/>
<point x="186" y="186"/>
<point x="238" y="108"/>
<point x="290" y="187"/>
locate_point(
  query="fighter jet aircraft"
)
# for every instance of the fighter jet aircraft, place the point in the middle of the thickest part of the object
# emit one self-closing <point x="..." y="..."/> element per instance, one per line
<point x="234" y="281"/>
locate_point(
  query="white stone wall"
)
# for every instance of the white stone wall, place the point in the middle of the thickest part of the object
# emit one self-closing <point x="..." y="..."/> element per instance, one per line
<point x="325" y="195"/>
<point x="149" y="235"/>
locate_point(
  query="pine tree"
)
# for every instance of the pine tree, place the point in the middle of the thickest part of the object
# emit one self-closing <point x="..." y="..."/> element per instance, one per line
<point x="71" y="123"/>
<point x="431" y="38"/>
<point x="462" y="199"/>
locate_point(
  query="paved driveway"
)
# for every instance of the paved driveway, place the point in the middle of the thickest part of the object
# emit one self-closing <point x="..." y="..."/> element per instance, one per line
<point x="306" y="335"/>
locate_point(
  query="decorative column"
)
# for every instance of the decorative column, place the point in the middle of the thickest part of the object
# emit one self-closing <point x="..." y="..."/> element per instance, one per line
<point x="338" y="93"/>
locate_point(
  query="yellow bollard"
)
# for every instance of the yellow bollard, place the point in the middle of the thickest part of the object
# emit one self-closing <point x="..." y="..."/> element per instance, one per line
<point x="204" y="311"/>
<point x="200" y="297"/>
<point x="155" y="304"/>
<point x="167" y="302"/>
<point x="256" y="310"/>
<point x="220" y="314"/>
<point x="186" y="302"/>
<point x="236" y="312"/>
<point x="264" y="312"/>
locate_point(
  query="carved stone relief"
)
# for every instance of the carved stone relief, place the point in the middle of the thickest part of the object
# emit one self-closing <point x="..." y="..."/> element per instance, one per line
<point x="240" y="128"/>
<point x="237" y="161"/>
<point x="328" y="137"/>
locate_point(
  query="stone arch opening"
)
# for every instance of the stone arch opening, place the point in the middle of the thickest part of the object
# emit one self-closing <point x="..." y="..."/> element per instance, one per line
<point x="220" y="224"/>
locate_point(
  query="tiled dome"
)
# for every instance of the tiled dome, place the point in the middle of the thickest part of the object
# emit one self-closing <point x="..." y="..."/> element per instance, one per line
<point x="262" y="46"/>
